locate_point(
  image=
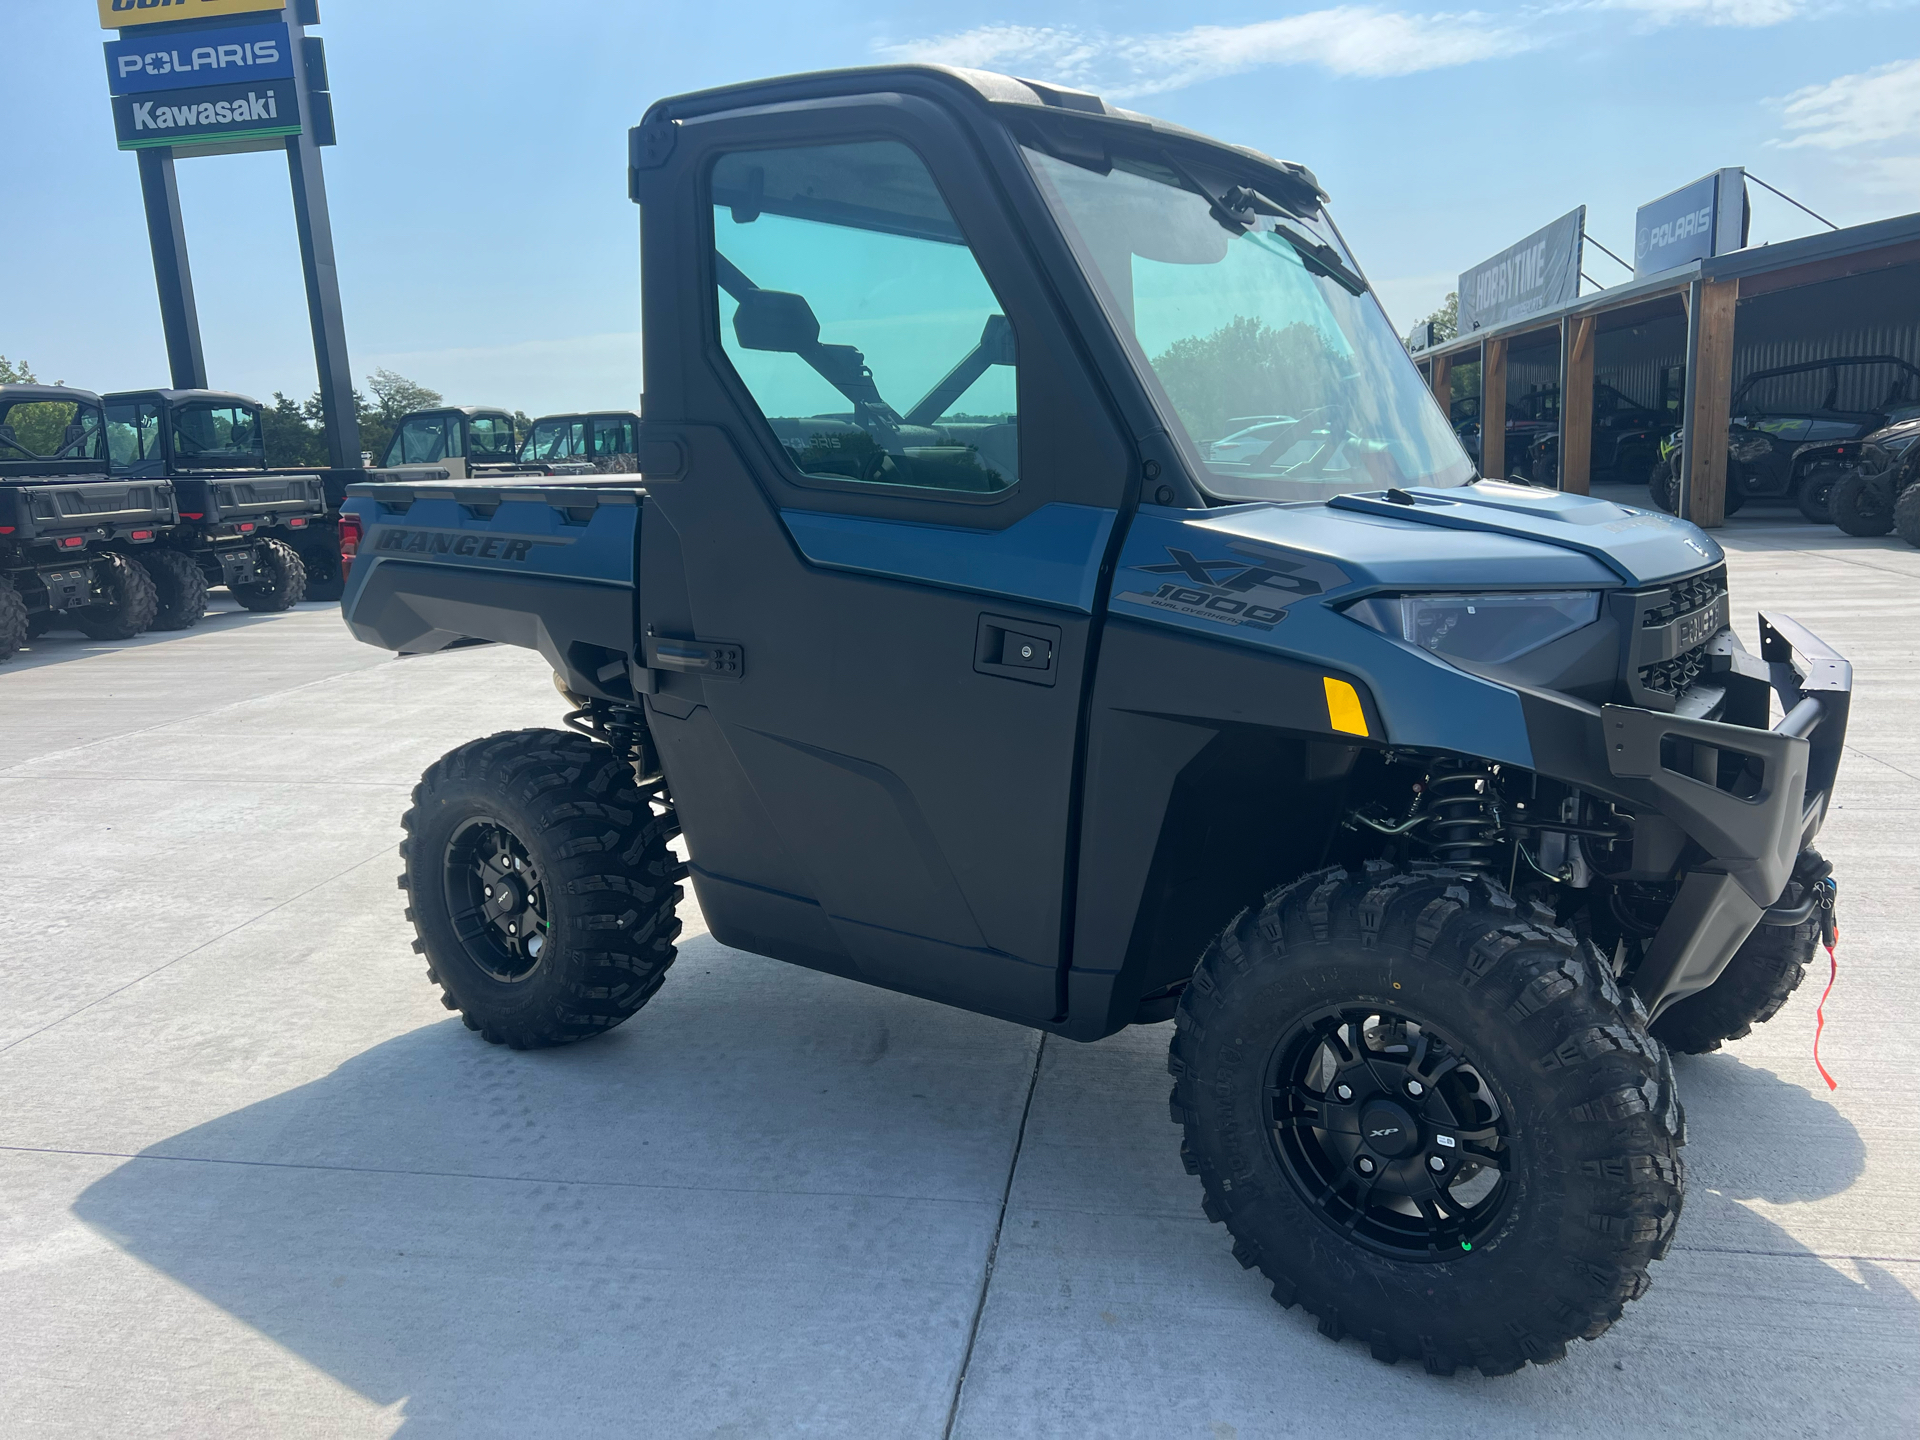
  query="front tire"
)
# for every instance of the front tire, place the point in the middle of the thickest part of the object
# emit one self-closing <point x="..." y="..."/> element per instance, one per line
<point x="1906" y="514"/>
<point x="1764" y="971"/>
<point x="285" y="582"/>
<point x="1663" y="487"/>
<point x="540" y="887"/>
<point x="129" y="604"/>
<point x="1436" y="1124"/>
<point x="14" y="627"/>
<point x="1862" y="504"/>
<point x="180" y="588"/>
<point x="1816" y="493"/>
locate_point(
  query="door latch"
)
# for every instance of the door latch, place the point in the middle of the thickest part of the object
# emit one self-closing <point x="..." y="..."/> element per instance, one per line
<point x="1017" y="649"/>
<point x="711" y="659"/>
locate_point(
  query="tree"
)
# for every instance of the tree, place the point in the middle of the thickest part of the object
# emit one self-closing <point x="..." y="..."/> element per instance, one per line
<point x="20" y="374"/>
<point x="290" y="439"/>
<point x="1246" y="370"/>
<point x="1445" y="320"/>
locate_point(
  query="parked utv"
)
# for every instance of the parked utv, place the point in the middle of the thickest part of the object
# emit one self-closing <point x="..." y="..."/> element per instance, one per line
<point x="240" y="523"/>
<point x="1870" y="498"/>
<point x="1625" y="442"/>
<point x="76" y="543"/>
<point x="464" y="438"/>
<point x="1433" y="812"/>
<point x="1794" y="428"/>
<point x="599" y="443"/>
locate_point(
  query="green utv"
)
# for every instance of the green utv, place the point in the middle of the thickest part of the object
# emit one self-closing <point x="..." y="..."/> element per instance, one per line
<point x="1431" y="811"/>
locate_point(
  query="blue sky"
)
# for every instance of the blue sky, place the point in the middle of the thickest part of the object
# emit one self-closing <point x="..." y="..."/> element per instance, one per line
<point x="487" y="247"/>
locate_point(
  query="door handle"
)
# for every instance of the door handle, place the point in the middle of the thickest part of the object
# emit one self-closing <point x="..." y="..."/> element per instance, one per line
<point x="1017" y="649"/>
<point x="717" y="659"/>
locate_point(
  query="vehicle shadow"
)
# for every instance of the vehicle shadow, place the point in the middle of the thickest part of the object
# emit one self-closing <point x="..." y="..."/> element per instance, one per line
<point x="566" y="1240"/>
<point x="56" y="647"/>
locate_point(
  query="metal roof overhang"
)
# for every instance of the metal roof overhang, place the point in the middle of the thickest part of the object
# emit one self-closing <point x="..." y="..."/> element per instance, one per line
<point x="1760" y="269"/>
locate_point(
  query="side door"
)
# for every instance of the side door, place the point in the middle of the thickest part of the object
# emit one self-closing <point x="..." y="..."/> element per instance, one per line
<point x="869" y="588"/>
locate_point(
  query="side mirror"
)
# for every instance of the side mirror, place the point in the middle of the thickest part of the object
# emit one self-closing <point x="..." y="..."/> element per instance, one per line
<point x="996" y="342"/>
<point x="776" y="320"/>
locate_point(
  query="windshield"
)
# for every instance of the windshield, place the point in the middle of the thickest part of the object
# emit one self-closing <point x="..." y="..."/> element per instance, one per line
<point x="1289" y="385"/>
<point x="216" y="432"/>
<point x="50" y="430"/>
<point x="563" y="439"/>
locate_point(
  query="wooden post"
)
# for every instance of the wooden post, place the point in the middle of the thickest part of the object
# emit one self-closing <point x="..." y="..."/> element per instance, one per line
<point x="1493" y="410"/>
<point x="1576" y="408"/>
<point x="1712" y="402"/>
<point x="1443" y="384"/>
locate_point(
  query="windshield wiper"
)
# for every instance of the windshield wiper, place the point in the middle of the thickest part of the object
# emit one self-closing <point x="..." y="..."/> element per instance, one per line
<point x="1319" y="257"/>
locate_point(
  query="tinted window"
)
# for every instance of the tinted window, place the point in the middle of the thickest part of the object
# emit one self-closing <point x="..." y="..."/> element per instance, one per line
<point x="490" y="437"/>
<point x="859" y="320"/>
<point x="421" y="441"/>
<point x="613" y="436"/>
<point x="551" y="440"/>
<point x="133" y="432"/>
<point x="215" y="432"/>
<point x="51" y="430"/>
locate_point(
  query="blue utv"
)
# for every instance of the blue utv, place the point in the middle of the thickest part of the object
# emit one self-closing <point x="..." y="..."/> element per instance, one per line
<point x="1433" y="812"/>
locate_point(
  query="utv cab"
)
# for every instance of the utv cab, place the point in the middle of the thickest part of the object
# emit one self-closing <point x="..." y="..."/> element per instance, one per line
<point x="461" y="439"/>
<point x="73" y="538"/>
<point x="601" y="443"/>
<point x="241" y="524"/>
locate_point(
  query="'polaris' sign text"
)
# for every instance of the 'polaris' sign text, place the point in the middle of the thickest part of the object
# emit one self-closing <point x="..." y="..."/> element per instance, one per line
<point x="1708" y="217"/>
<point x="1542" y="271"/>
<point x="119" y="14"/>
<point x="199" y="57"/>
<point x="208" y="116"/>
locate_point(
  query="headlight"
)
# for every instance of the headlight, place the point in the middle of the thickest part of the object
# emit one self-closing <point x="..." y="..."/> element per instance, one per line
<point x="1489" y="629"/>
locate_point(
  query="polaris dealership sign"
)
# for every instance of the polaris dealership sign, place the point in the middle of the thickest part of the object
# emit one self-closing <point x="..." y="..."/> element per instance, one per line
<point x="1539" y="273"/>
<point x="1708" y="217"/>
<point x="199" y="57"/>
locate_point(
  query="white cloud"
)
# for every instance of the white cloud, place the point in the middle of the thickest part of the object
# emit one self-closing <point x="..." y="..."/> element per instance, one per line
<point x="1866" y="109"/>
<point x="1747" y="14"/>
<point x="1351" y="40"/>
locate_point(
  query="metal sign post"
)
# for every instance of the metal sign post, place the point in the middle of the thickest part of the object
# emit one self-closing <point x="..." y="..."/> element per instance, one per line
<point x="225" y="77"/>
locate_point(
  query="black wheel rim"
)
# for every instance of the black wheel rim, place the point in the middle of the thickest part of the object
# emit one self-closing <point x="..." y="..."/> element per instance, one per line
<point x="496" y="900"/>
<point x="1388" y="1132"/>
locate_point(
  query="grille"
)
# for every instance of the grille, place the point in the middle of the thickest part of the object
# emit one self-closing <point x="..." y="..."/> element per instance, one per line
<point x="1686" y="597"/>
<point x="1675" y="676"/>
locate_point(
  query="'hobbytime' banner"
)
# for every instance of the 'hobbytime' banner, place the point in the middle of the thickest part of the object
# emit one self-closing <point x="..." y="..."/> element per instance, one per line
<point x="1541" y="272"/>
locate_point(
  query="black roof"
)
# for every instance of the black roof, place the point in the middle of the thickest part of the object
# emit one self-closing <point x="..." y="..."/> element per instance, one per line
<point x="174" y="397"/>
<point x="19" y="394"/>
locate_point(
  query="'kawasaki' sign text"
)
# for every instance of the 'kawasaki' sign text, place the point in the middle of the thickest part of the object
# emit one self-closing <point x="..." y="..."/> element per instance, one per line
<point x="209" y="115"/>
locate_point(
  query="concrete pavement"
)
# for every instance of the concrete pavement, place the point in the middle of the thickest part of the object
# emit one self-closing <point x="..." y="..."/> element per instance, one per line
<point x="254" y="1180"/>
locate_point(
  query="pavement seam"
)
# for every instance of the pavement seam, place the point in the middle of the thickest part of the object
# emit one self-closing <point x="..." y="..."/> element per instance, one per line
<point x="187" y="954"/>
<point x="993" y="1246"/>
<point x="481" y="1175"/>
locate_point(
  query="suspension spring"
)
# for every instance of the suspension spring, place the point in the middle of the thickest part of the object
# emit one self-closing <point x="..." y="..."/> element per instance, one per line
<point x="1462" y="807"/>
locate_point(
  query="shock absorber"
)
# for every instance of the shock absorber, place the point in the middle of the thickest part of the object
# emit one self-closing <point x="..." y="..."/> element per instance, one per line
<point x="1462" y="805"/>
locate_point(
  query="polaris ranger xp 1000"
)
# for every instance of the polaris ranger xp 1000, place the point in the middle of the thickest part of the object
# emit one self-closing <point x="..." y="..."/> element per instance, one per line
<point x="1433" y="812"/>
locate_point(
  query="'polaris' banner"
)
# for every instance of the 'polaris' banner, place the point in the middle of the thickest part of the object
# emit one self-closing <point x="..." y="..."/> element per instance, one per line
<point x="226" y="56"/>
<point x="118" y="14"/>
<point x="1542" y="271"/>
<point x="212" y="115"/>
<point x="1708" y="217"/>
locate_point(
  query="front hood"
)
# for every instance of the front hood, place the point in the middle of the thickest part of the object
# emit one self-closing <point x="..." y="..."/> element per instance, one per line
<point x="1640" y="546"/>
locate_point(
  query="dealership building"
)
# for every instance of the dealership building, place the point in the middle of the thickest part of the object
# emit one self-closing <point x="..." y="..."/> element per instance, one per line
<point x="1702" y="313"/>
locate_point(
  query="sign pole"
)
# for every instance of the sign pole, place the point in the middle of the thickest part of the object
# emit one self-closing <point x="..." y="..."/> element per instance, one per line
<point x="179" y="319"/>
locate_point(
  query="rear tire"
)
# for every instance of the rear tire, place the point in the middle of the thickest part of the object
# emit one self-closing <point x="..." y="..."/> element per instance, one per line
<point x="1531" y="1058"/>
<point x="545" y="832"/>
<point x="1764" y="971"/>
<point x="1860" y="506"/>
<point x="1663" y="487"/>
<point x="180" y="587"/>
<point x="1816" y="493"/>
<point x="130" y="604"/>
<point x="1906" y="514"/>
<point x="13" y="620"/>
<point x="322" y="562"/>
<point x="285" y="585"/>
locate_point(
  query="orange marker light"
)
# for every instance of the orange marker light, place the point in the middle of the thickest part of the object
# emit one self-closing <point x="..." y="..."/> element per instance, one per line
<point x="1343" y="708"/>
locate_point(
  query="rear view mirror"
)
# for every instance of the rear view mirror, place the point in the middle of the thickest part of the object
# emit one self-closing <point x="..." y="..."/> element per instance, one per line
<point x="776" y="320"/>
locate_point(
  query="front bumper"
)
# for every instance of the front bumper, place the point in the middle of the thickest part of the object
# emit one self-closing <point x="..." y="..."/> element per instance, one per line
<point x="1749" y="797"/>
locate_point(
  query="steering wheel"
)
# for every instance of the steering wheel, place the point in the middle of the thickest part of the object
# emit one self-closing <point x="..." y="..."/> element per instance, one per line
<point x="1317" y="462"/>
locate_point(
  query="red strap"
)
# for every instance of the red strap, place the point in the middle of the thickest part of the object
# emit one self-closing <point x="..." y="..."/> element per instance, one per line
<point x="1820" y="1015"/>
